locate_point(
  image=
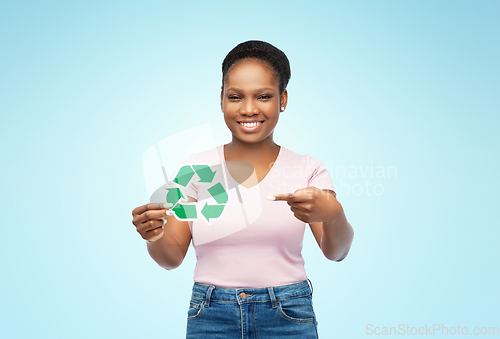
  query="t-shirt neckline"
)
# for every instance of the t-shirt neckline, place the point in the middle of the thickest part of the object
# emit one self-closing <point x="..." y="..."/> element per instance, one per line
<point x="223" y="159"/>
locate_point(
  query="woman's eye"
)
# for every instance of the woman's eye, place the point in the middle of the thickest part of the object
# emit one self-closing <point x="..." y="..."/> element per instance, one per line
<point x="233" y="97"/>
<point x="265" y="97"/>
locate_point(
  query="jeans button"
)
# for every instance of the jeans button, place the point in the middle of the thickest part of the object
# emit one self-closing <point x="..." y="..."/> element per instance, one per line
<point x="243" y="295"/>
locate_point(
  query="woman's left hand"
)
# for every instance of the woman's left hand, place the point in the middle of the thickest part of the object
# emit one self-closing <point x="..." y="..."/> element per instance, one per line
<point x="312" y="204"/>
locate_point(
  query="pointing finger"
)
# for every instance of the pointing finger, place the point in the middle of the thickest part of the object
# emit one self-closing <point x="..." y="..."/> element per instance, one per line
<point x="282" y="197"/>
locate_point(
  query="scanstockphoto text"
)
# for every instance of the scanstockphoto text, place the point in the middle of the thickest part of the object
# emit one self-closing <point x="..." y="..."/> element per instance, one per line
<point x="349" y="180"/>
<point x="430" y="329"/>
<point x="361" y="180"/>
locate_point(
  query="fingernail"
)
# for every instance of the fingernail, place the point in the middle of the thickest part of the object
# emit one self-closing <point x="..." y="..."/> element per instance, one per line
<point x="169" y="212"/>
<point x="167" y="205"/>
<point x="270" y="197"/>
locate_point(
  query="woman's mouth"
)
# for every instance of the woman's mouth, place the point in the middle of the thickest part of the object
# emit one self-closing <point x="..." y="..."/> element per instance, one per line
<point x="250" y="126"/>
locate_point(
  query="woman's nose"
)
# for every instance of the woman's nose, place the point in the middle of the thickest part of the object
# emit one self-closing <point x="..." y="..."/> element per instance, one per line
<point x="248" y="107"/>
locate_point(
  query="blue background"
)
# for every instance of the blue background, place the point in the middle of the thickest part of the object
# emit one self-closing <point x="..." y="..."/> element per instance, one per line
<point x="87" y="87"/>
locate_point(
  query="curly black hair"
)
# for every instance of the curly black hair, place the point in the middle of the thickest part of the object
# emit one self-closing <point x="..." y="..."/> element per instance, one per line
<point x="261" y="50"/>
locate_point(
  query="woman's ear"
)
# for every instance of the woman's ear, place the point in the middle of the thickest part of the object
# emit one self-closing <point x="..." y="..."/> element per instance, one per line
<point x="221" y="92"/>
<point x="284" y="99"/>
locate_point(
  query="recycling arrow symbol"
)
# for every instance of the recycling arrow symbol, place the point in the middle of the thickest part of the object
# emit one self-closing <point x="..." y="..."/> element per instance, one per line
<point x="189" y="211"/>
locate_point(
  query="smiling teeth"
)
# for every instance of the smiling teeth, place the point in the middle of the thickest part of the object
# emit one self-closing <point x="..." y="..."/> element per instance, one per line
<point x="251" y="124"/>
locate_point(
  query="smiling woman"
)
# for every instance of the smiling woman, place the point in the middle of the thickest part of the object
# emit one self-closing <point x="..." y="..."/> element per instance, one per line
<point x="250" y="279"/>
<point x="251" y="102"/>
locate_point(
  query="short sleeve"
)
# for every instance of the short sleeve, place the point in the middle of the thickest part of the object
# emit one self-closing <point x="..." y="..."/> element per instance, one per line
<point x="191" y="189"/>
<point x="319" y="176"/>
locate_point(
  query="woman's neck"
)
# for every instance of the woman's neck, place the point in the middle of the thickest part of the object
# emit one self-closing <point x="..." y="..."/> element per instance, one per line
<point x="253" y="153"/>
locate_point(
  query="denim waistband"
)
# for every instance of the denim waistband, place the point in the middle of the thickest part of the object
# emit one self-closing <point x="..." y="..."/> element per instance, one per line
<point x="243" y="295"/>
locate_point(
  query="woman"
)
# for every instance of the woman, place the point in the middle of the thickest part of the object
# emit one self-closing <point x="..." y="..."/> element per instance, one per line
<point x="249" y="278"/>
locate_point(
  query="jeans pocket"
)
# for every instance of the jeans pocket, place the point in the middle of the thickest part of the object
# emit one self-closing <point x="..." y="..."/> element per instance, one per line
<point x="195" y="308"/>
<point x="299" y="310"/>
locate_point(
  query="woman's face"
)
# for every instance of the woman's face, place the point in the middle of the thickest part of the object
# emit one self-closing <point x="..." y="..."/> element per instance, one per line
<point x="251" y="95"/>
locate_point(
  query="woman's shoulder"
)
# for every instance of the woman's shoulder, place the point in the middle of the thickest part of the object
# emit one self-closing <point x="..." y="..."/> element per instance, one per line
<point x="298" y="158"/>
<point x="210" y="154"/>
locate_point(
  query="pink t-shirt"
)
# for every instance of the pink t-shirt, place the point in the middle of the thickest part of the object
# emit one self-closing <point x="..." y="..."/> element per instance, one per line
<point x="255" y="242"/>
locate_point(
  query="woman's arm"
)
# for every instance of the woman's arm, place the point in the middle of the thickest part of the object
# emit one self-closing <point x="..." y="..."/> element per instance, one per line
<point x="322" y="211"/>
<point x="334" y="238"/>
<point x="170" y="250"/>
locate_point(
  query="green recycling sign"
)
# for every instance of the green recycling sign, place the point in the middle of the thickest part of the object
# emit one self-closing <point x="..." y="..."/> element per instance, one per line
<point x="190" y="211"/>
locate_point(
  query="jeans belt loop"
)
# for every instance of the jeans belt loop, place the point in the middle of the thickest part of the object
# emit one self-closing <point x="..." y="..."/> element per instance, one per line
<point x="310" y="285"/>
<point x="273" y="298"/>
<point x="209" y="295"/>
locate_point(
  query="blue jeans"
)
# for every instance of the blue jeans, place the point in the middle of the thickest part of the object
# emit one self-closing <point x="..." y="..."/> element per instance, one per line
<point x="271" y="312"/>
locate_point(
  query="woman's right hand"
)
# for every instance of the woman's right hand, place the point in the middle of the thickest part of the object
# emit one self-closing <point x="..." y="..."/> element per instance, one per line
<point x="149" y="220"/>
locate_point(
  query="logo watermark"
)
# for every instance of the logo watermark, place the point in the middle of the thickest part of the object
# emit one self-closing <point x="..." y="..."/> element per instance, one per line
<point x="430" y="329"/>
<point x="356" y="180"/>
<point x="348" y="180"/>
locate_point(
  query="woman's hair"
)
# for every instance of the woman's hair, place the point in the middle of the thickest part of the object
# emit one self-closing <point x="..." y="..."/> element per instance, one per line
<point x="261" y="50"/>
